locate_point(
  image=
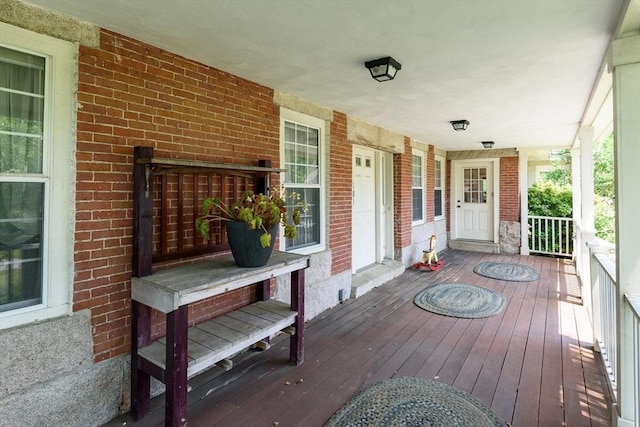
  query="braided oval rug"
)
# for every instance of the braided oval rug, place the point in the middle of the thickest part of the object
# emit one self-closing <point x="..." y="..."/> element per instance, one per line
<point x="507" y="271"/>
<point x="410" y="401"/>
<point x="460" y="300"/>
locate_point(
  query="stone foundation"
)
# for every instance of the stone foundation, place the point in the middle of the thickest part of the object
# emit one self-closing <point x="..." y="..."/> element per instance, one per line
<point x="321" y="289"/>
<point x="49" y="378"/>
<point x="510" y="238"/>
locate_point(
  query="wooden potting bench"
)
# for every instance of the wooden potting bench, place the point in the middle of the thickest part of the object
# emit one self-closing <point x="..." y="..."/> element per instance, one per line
<point x="186" y="351"/>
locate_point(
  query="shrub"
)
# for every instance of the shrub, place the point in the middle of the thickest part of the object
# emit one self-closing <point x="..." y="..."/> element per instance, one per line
<point x="548" y="199"/>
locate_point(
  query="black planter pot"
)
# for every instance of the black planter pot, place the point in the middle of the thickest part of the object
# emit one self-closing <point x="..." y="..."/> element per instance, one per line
<point x="245" y="244"/>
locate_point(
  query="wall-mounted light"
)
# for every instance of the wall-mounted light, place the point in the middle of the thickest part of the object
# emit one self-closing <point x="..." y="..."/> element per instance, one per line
<point x="487" y="144"/>
<point x="383" y="69"/>
<point x="460" y="124"/>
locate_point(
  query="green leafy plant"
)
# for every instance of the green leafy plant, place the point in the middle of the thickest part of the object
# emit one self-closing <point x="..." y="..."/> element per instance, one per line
<point x="258" y="211"/>
<point x="549" y="199"/>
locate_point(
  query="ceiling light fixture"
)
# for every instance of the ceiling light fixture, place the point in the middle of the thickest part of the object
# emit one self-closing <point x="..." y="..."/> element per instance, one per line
<point x="383" y="69"/>
<point x="460" y="124"/>
<point x="487" y="144"/>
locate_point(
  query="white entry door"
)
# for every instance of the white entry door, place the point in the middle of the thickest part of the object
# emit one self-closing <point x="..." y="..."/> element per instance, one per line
<point x="474" y="201"/>
<point x="363" y="238"/>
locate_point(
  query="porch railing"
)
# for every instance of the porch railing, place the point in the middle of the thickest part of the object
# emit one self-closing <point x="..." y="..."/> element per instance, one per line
<point x="619" y="350"/>
<point x="632" y="314"/>
<point x="605" y="308"/>
<point x="551" y="235"/>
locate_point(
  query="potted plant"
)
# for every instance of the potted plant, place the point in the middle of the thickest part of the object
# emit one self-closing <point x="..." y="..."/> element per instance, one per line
<point x="252" y="222"/>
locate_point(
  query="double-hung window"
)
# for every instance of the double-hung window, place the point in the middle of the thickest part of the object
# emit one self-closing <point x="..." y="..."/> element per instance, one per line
<point x="302" y="143"/>
<point x="417" y="186"/>
<point x="23" y="183"/>
<point x="36" y="159"/>
<point x="438" y="188"/>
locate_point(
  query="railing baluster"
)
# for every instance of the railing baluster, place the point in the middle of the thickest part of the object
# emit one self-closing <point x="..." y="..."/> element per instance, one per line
<point x="632" y="314"/>
<point x="539" y="235"/>
<point x="605" y="309"/>
<point x="551" y="236"/>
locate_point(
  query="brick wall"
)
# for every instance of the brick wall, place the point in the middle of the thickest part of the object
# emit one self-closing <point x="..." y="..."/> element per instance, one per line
<point x="402" y="196"/>
<point x="134" y="94"/>
<point x="340" y="190"/>
<point x="509" y="196"/>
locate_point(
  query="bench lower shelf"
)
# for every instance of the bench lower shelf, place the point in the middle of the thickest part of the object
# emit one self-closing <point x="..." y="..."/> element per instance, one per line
<point x="217" y="339"/>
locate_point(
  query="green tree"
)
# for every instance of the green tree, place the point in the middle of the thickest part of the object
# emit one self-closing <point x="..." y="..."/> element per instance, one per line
<point x="604" y="188"/>
<point x="549" y="199"/>
<point x="561" y="172"/>
<point x="603" y="183"/>
<point x="603" y="169"/>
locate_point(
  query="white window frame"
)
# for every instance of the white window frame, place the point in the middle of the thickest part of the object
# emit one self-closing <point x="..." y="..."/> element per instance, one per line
<point x="443" y="175"/>
<point x="287" y="115"/>
<point x="420" y="154"/>
<point x="61" y="65"/>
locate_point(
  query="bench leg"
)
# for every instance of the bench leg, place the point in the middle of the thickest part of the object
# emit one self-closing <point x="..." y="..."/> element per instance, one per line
<point x="140" y="381"/>
<point x="176" y="373"/>
<point x="296" y="344"/>
<point x="264" y="290"/>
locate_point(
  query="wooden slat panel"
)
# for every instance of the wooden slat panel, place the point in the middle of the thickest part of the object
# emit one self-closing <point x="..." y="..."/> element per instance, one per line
<point x="248" y="319"/>
<point x="197" y="164"/>
<point x="260" y="312"/>
<point x="206" y="339"/>
<point x="221" y="327"/>
<point x="155" y="353"/>
<point x="168" y="289"/>
<point x="202" y="343"/>
<point x="212" y="341"/>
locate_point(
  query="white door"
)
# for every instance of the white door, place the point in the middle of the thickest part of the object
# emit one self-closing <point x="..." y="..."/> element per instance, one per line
<point x="364" y="208"/>
<point x="474" y="201"/>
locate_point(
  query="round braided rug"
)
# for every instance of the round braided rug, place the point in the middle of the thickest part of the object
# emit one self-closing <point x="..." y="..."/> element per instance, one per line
<point x="460" y="300"/>
<point x="507" y="271"/>
<point x="413" y="402"/>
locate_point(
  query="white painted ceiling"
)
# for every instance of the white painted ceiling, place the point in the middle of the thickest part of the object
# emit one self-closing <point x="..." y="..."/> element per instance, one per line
<point x="521" y="71"/>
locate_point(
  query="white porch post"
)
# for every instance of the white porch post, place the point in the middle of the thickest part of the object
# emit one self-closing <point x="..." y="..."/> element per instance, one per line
<point x="586" y="205"/>
<point x="585" y="134"/>
<point x="625" y="65"/>
<point x="577" y="207"/>
<point x="523" y="179"/>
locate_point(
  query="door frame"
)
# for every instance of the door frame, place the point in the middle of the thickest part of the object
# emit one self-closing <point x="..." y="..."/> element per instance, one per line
<point x="383" y="183"/>
<point x="455" y="165"/>
<point x="384" y="201"/>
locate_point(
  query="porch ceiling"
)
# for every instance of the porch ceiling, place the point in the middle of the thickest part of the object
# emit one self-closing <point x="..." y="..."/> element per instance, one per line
<point x="521" y="72"/>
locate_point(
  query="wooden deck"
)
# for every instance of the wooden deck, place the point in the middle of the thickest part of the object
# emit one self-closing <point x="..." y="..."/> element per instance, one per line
<point x="533" y="363"/>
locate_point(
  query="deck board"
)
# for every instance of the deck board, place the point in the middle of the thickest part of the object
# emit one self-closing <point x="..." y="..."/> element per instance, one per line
<point x="533" y="363"/>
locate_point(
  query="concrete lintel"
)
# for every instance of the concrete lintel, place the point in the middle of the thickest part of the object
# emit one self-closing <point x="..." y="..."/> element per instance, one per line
<point x="361" y="132"/>
<point x="301" y="106"/>
<point x="53" y="24"/>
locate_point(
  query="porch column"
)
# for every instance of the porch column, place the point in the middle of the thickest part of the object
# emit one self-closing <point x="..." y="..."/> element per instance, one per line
<point x="587" y="232"/>
<point x="523" y="170"/>
<point x="576" y="203"/>
<point x="585" y="134"/>
<point x="624" y="63"/>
